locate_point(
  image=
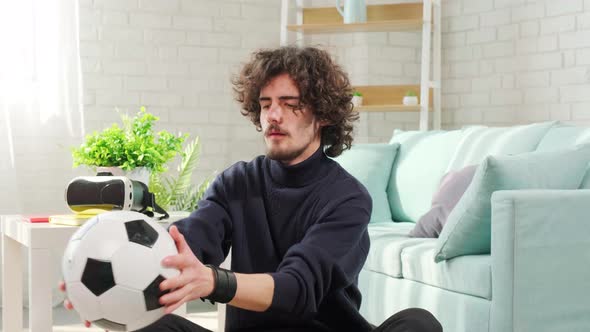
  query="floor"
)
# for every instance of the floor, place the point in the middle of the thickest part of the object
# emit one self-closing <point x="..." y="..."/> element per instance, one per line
<point x="201" y="313"/>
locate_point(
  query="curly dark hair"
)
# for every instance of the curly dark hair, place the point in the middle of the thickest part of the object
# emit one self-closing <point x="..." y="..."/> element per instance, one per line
<point x="323" y="86"/>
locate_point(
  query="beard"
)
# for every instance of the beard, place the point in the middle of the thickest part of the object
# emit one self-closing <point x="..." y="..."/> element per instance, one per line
<point x="280" y="153"/>
<point x="284" y="155"/>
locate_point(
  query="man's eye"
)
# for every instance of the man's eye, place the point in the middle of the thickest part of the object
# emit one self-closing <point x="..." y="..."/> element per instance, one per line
<point x="264" y="106"/>
<point x="293" y="107"/>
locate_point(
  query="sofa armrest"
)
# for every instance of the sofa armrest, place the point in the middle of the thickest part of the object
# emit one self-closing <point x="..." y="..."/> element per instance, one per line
<point x="540" y="251"/>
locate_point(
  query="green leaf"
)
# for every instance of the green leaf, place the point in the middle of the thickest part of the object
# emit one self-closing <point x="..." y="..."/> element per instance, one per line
<point x="187" y="167"/>
<point x="131" y="145"/>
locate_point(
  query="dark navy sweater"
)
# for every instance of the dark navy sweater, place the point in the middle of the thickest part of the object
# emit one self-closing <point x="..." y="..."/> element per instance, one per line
<point x="305" y="225"/>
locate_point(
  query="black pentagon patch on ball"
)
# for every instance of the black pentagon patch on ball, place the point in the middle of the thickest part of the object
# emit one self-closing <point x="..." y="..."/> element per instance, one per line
<point x="98" y="276"/>
<point x="152" y="294"/>
<point x="109" y="325"/>
<point x="141" y="232"/>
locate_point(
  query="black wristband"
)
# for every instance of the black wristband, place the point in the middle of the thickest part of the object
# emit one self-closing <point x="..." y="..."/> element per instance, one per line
<point x="224" y="285"/>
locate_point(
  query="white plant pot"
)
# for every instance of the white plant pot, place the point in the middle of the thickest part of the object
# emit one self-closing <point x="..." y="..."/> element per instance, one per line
<point x="357" y="101"/>
<point x="410" y="100"/>
<point x="141" y="174"/>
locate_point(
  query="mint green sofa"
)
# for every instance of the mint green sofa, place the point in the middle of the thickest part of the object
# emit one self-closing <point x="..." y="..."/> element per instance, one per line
<point x="537" y="275"/>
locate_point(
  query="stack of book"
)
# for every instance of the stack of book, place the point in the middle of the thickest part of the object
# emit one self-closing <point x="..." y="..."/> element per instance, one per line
<point x="76" y="219"/>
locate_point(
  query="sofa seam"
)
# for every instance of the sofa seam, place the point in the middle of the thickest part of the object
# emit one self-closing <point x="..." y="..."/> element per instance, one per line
<point x="426" y="284"/>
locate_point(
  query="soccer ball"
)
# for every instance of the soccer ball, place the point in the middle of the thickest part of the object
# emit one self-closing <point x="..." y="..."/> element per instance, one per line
<point x="112" y="270"/>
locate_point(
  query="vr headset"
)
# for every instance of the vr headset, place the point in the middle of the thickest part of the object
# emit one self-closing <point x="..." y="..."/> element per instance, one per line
<point x="104" y="192"/>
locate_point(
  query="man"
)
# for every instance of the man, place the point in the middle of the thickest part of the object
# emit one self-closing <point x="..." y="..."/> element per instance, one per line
<point x="295" y="220"/>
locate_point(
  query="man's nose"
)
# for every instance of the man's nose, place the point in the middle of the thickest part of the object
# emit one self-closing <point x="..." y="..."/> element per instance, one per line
<point x="275" y="113"/>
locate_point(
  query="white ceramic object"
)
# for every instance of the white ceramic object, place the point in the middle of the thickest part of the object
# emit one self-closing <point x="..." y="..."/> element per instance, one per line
<point x="357" y="101"/>
<point x="141" y="174"/>
<point x="355" y="11"/>
<point x="410" y="100"/>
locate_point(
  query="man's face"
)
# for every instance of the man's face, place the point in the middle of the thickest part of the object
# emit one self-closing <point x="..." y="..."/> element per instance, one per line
<point x="291" y="133"/>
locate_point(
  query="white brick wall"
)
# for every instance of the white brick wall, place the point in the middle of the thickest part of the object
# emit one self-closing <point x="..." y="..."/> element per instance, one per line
<point x="541" y="50"/>
<point x="504" y="62"/>
<point x="176" y="58"/>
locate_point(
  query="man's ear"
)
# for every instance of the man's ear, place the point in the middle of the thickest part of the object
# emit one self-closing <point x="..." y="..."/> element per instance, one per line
<point x="324" y="123"/>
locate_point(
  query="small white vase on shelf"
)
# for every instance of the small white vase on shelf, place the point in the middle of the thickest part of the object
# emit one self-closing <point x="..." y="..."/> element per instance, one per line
<point x="410" y="100"/>
<point x="357" y="101"/>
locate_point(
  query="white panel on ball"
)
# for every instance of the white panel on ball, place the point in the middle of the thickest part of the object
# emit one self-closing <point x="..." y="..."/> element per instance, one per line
<point x="163" y="248"/>
<point x="84" y="228"/>
<point x="102" y="240"/>
<point x="146" y="319"/>
<point x="135" y="276"/>
<point x="73" y="263"/>
<point x="84" y="301"/>
<point x="122" y="305"/>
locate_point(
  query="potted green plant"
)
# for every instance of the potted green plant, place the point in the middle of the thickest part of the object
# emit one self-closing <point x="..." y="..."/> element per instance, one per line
<point x="133" y="149"/>
<point x="410" y="99"/>
<point x="357" y="98"/>
<point x="179" y="193"/>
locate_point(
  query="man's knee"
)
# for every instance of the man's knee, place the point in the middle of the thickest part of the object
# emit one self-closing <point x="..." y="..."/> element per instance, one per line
<point x="422" y="320"/>
<point x="168" y="323"/>
<point x="411" y="320"/>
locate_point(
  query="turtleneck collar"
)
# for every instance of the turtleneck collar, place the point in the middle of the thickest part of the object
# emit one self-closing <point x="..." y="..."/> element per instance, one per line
<point x="301" y="174"/>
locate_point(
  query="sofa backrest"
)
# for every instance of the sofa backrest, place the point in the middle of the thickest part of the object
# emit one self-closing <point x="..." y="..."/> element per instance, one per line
<point x="563" y="136"/>
<point x="420" y="163"/>
<point x="425" y="157"/>
<point x="478" y="142"/>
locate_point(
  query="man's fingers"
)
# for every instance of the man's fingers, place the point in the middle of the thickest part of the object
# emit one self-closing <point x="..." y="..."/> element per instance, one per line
<point x="172" y="283"/>
<point x="181" y="244"/>
<point x="175" y="296"/>
<point x="176" y="261"/>
<point x="170" y="308"/>
<point x="68" y="305"/>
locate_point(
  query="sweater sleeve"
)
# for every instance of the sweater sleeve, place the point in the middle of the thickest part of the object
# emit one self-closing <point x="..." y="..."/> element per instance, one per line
<point x="208" y="229"/>
<point x="328" y="259"/>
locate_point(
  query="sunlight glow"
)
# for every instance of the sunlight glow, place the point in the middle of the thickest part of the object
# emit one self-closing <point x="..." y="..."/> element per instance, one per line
<point x="40" y="74"/>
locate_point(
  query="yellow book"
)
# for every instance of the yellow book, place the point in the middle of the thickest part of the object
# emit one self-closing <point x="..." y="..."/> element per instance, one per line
<point x="70" y="219"/>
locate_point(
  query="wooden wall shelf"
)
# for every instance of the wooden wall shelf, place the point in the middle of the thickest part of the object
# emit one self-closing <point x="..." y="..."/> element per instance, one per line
<point x="387" y="108"/>
<point x="387" y="98"/>
<point x="392" y="17"/>
<point x="378" y="26"/>
<point x="421" y="16"/>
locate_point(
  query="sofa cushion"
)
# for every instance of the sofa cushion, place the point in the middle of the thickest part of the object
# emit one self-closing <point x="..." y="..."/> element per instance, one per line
<point x="471" y="275"/>
<point x="383" y="296"/>
<point x="452" y="187"/>
<point x="468" y="227"/>
<point x="387" y="242"/>
<point x="421" y="161"/>
<point x="371" y="165"/>
<point x="564" y="136"/>
<point x="479" y="142"/>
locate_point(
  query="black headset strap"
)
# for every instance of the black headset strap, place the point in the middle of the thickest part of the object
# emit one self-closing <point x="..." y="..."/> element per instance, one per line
<point x="149" y="201"/>
<point x="159" y="209"/>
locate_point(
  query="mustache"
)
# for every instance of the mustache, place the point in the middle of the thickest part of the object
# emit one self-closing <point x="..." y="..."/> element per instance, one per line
<point x="274" y="128"/>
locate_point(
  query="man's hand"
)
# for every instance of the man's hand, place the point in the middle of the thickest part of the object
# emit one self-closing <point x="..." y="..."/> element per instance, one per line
<point x="67" y="304"/>
<point x="194" y="281"/>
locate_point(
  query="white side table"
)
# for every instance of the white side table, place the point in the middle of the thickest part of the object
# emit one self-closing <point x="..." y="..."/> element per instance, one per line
<point x="40" y="239"/>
